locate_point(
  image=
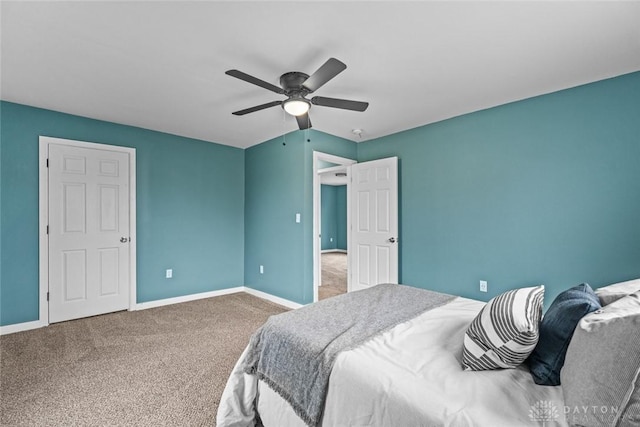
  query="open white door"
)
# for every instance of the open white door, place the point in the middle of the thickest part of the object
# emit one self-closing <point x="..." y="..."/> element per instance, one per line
<point x="374" y="216"/>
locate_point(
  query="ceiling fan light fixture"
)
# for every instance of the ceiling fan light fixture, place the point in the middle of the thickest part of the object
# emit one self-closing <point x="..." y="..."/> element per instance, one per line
<point x="296" y="106"/>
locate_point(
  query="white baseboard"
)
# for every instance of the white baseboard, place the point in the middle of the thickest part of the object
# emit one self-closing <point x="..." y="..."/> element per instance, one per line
<point x="26" y="326"/>
<point x="272" y="298"/>
<point x="20" y="327"/>
<point x="187" y="298"/>
<point x="327" y="251"/>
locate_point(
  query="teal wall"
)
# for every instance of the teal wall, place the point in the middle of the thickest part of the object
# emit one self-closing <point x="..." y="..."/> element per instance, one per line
<point x="279" y="184"/>
<point x="545" y="190"/>
<point x="341" y="216"/>
<point x="334" y="217"/>
<point x="328" y="231"/>
<point x="1" y="127"/>
<point x="190" y="208"/>
<point x="274" y="193"/>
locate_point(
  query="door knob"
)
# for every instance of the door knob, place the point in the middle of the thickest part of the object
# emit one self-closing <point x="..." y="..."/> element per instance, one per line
<point x="392" y="240"/>
<point x="123" y="240"/>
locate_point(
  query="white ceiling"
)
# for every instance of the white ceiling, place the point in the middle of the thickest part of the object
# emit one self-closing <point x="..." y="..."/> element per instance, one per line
<point x="160" y="65"/>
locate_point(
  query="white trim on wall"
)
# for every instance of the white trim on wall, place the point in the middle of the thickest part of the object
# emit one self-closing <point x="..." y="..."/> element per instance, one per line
<point x="26" y="326"/>
<point x="20" y="327"/>
<point x="272" y="298"/>
<point x="187" y="298"/>
<point x="43" y="203"/>
<point x="43" y="238"/>
<point x="328" y="251"/>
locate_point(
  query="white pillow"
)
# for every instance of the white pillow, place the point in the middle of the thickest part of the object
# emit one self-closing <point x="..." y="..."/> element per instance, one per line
<point x="611" y="293"/>
<point x="602" y="368"/>
<point x="505" y="331"/>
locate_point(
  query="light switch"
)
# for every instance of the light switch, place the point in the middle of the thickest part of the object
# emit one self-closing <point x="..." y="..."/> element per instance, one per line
<point x="298" y="217"/>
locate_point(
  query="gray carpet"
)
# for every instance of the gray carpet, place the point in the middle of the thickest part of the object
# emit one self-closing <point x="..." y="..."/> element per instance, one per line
<point x="334" y="275"/>
<point x="165" y="366"/>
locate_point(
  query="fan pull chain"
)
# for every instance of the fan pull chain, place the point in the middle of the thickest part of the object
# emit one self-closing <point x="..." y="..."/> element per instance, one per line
<point x="284" y="127"/>
<point x="306" y="131"/>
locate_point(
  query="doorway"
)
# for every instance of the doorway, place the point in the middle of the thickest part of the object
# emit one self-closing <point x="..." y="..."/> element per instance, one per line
<point x="333" y="232"/>
<point x="330" y="170"/>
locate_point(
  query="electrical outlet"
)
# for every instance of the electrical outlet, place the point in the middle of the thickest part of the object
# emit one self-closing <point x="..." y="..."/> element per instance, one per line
<point x="169" y="273"/>
<point x="483" y="286"/>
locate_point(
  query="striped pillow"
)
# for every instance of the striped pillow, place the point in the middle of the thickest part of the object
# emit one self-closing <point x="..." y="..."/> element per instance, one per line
<point x="505" y="331"/>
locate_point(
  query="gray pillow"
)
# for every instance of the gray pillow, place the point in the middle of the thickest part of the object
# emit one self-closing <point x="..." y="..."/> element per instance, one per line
<point x="611" y="293"/>
<point x="602" y="365"/>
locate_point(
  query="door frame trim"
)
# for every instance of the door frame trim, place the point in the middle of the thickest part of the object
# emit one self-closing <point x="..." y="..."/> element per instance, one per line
<point x="342" y="161"/>
<point x="43" y="213"/>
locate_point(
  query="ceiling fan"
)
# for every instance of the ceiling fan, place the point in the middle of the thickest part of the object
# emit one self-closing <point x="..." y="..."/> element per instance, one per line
<point x="296" y="86"/>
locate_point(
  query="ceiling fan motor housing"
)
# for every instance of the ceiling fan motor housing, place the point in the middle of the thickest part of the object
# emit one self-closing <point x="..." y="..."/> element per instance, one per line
<point x="292" y="83"/>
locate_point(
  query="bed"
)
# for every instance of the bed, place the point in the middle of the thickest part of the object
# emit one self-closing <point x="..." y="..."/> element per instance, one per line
<point x="411" y="375"/>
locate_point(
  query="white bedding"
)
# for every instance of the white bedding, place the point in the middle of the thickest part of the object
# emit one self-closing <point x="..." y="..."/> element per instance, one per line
<point x="408" y="376"/>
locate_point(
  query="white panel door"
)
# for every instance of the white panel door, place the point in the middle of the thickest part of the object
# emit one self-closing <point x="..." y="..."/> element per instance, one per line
<point x="374" y="204"/>
<point x="88" y="232"/>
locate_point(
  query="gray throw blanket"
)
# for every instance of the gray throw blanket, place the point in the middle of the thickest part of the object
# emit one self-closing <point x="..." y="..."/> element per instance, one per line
<point x="294" y="352"/>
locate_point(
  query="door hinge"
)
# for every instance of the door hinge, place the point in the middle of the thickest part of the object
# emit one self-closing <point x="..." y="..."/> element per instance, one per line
<point x="47" y="229"/>
<point x="47" y="162"/>
<point x="47" y="296"/>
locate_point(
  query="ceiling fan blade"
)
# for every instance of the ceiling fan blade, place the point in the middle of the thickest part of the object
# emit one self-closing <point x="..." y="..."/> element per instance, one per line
<point x="256" y="108"/>
<point x="254" y="80"/>
<point x="345" y="104"/>
<point x="304" y="122"/>
<point x="329" y="70"/>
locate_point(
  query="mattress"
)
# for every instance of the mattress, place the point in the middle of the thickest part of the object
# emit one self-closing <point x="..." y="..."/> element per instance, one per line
<point x="408" y="376"/>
